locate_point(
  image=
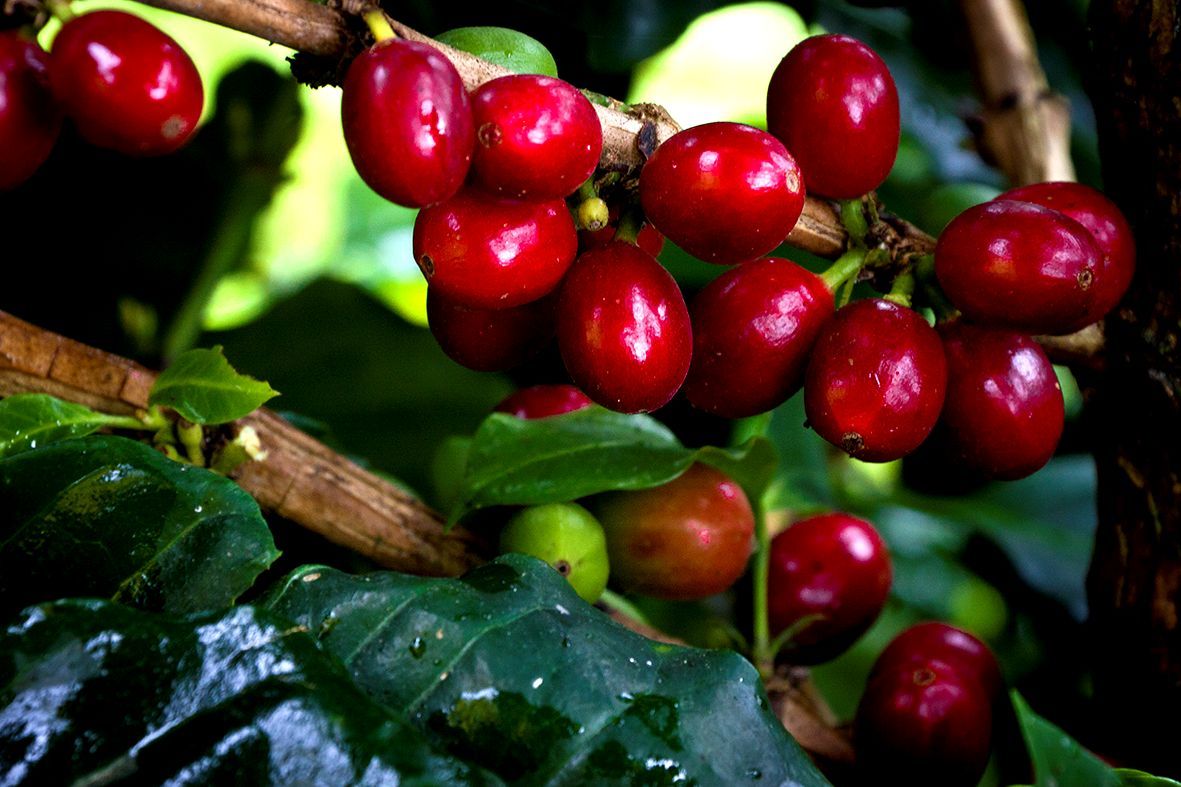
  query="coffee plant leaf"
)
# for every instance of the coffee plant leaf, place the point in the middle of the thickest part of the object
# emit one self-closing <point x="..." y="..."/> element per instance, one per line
<point x="203" y="387"/>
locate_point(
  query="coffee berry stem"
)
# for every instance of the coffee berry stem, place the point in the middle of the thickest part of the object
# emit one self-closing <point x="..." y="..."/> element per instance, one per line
<point x="631" y="220"/>
<point x="847" y="266"/>
<point x="617" y="603"/>
<point x="853" y="217"/>
<point x="762" y="650"/>
<point x="902" y="290"/>
<point x="379" y="24"/>
<point x="592" y="213"/>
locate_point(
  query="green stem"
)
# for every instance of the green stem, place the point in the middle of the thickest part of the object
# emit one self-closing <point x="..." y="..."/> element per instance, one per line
<point x="592" y="211"/>
<point x="613" y="600"/>
<point x="247" y="197"/>
<point x="764" y="657"/>
<point x="902" y="290"/>
<point x="853" y="217"/>
<point x="630" y="222"/>
<point x="191" y="436"/>
<point x="379" y="25"/>
<point x="60" y="9"/>
<point x="847" y="266"/>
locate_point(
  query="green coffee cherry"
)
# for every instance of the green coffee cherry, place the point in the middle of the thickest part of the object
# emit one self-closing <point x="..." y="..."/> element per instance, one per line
<point x="567" y="537"/>
<point x="515" y="51"/>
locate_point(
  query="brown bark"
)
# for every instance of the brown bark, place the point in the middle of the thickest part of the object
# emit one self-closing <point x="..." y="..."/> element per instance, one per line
<point x="1134" y="584"/>
<point x="300" y="479"/>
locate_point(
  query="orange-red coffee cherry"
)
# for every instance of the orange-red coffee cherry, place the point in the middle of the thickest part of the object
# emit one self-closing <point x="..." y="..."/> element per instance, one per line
<point x="875" y="382"/>
<point x="537" y="137"/>
<point x="125" y="83"/>
<point x="970" y="657"/>
<point x="834" y="104"/>
<point x="493" y="253"/>
<point x="623" y="329"/>
<point x="753" y="328"/>
<point x="835" y="567"/>
<point x="542" y="401"/>
<point x="490" y="340"/>
<point x="407" y="122"/>
<point x="1107" y="226"/>
<point x="1003" y="410"/>
<point x="1018" y="265"/>
<point x="29" y="118"/>
<point x="687" y="539"/>
<point x="924" y="722"/>
<point x="724" y="192"/>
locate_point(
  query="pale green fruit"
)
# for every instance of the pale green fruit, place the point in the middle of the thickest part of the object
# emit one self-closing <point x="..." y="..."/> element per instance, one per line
<point x="566" y="536"/>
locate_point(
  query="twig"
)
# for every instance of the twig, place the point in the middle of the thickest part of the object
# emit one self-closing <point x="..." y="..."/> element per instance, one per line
<point x="1025" y="127"/>
<point x="301" y="479"/>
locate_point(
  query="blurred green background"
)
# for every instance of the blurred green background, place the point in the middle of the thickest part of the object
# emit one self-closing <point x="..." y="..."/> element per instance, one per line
<point x="262" y="234"/>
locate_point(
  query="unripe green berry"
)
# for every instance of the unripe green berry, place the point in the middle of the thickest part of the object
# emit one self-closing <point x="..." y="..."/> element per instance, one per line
<point x="566" y="536"/>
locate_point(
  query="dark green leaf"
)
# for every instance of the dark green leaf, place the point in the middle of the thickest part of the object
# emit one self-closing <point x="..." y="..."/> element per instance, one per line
<point x="203" y="387"/>
<point x="1133" y="778"/>
<point x="803" y="481"/>
<point x="110" y="517"/>
<point x="1044" y="523"/>
<point x="94" y="693"/>
<point x="510" y="669"/>
<point x="383" y="386"/>
<point x="517" y="461"/>
<point x="32" y="420"/>
<point x="1058" y="759"/>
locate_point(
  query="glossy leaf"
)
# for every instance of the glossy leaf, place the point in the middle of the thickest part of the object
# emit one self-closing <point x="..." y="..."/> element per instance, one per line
<point x="1044" y="523"/>
<point x="510" y="669"/>
<point x="511" y="49"/>
<point x="1132" y="778"/>
<point x="517" y="461"/>
<point x="31" y="420"/>
<point x="1057" y="758"/>
<point x="203" y="387"/>
<point x="109" y="517"/>
<point x="95" y="693"/>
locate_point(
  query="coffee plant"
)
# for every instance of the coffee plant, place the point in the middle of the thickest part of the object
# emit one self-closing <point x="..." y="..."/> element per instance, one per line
<point x="746" y="432"/>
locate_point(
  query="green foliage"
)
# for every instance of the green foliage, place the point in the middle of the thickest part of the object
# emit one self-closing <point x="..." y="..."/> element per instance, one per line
<point x="514" y="50"/>
<point x="203" y="387"/>
<point x="516" y="461"/>
<point x="509" y="668"/>
<point x="382" y="386"/>
<point x="235" y="697"/>
<point x="31" y="420"/>
<point x="1057" y="758"/>
<point x="110" y="517"/>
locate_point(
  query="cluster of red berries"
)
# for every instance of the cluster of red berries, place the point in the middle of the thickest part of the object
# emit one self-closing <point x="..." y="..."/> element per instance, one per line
<point x="500" y="250"/>
<point x="125" y="84"/>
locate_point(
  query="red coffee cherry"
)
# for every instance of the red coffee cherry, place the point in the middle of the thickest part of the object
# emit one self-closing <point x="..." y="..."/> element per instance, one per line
<point x="833" y="103"/>
<point x="407" y="122"/>
<point x="490" y="340"/>
<point x="1019" y="265"/>
<point x="687" y="539"/>
<point x="125" y="83"/>
<point x="753" y="328"/>
<point x="925" y="723"/>
<point x="835" y="566"/>
<point x="1107" y="226"/>
<point x="29" y="117"/>
<point x="537" y="137"/>
<point x="492" y="253"/>
<point x="542" y="401"/>
<point x="874" y="385"/>
<point x="724" y="192"/>
<point x="1004" y="409"/>
<point x="955" y="647"/>
<point x="623" y="329"/>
